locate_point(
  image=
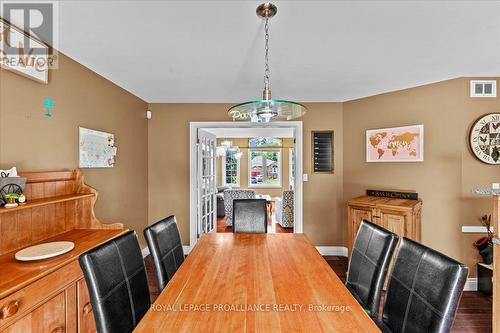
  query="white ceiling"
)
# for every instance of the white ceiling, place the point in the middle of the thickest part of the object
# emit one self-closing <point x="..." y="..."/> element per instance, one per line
<point x="212" y="51"/>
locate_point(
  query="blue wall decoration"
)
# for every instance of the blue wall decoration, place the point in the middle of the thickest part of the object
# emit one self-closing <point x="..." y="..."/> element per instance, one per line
<point x="48" y="103"/>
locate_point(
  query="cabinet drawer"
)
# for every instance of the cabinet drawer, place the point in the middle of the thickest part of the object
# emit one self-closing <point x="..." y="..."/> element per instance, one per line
<point x="47" y="318"/>
<point x="25" y="300"/>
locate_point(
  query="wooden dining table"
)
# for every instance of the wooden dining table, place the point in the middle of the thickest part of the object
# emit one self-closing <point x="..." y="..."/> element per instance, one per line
<point x="255" y="283"/>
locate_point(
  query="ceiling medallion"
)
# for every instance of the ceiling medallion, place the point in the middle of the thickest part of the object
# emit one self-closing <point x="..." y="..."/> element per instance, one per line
<point x="265" y="109"/>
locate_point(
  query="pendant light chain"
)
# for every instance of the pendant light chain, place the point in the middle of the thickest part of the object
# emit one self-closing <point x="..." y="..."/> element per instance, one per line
<point x="267" y="72"/>
<point x="266" y="108"/>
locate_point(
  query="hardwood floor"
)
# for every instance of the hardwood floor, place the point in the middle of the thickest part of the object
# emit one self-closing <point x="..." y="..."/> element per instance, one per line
<point x="339" y="265"/>
<point x="474" y="314"/>
<point x="280" y="229"/>
<point x="221" y="225"/>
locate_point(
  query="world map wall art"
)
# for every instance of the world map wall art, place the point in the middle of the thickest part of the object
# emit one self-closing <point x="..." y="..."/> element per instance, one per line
<point x="396" y="144"/>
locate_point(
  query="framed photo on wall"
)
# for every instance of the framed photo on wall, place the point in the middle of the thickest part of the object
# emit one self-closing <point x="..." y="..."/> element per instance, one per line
<point x="395" y="144"/>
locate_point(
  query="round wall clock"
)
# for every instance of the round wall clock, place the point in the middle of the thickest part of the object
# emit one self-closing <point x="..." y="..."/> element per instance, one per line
<point x="485" y="138"/>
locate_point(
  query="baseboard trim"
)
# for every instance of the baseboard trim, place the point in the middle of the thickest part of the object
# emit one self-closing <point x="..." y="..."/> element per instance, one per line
<point x="332" y="250"/>
<point x="185" y="248"/>
<point x="471" y="284"/>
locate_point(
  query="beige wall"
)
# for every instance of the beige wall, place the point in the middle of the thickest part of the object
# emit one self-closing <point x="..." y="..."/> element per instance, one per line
<point x="323" y="193"/>
<point x="285" y="174"/>
<point x="151" y="177"/>
<point x="445" y="179"/>
<point x="169" y="167"/>
<point x="33" y="142"/>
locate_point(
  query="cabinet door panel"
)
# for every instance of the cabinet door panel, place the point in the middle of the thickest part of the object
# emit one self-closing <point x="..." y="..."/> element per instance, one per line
<point x="71" y="309"/>
<point x="47" y="318"/>
<point x="394" y="223"/>
<point x="86" y="322"/>
<point x="356" y="215"/>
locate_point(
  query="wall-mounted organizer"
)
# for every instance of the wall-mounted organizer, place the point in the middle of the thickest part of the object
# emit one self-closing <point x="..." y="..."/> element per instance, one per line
<point x="97" y="149"/>
<point x="322" y="152"/>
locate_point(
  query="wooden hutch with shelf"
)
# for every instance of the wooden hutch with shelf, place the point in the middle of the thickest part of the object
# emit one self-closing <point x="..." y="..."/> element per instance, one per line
<point x="49" y="295"/>
<point x="400" y="216"/>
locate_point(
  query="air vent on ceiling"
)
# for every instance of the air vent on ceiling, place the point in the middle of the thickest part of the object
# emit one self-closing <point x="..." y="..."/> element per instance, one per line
<point x="483" y="88"/>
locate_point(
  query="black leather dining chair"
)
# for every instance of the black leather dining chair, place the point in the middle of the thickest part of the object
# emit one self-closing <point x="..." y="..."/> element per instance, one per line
<point x="117" y="284"/>
<point x="250" y="215"/>
<point x="369" y="262"/>
<point x="165" y="246"/>
<point x="423" y="291"/>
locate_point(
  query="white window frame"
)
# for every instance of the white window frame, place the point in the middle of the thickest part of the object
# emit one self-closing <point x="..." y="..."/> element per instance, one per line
<point x="238" y="173"/>
<point x="249" y="171"/>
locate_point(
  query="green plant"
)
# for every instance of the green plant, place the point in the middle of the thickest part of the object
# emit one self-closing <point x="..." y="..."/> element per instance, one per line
<point x="11" y="195"/>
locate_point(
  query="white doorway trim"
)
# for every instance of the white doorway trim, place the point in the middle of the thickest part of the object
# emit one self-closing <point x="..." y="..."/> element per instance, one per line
<point x="193" y="133"/>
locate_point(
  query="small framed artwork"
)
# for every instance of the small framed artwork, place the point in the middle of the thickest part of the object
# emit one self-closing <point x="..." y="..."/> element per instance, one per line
<point x="322" y="151"/>
<point x="395" y="144"/>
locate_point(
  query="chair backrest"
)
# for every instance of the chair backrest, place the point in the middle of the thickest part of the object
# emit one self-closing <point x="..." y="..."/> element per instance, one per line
<point x="370" y="258"/>
<point x="287" y="209"/>
<point x="229" y="196"/>
<point x="250" y="215"/>
<point x="165" y="246"/>
<point x="117" y="283"/>
<point x="288" y="199"/>
<point x="423" y="291"/>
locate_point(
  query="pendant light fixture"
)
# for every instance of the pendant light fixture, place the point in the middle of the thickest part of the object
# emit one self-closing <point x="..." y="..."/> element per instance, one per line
<point x="265" y="109"/>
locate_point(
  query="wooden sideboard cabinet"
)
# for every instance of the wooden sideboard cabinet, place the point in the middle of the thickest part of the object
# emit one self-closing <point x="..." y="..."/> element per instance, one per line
<point x="50" y="295"/>
<point x="403" y="217"/>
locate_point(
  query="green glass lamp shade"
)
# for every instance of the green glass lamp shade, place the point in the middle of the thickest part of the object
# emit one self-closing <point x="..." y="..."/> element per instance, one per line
<point x="263" y="110"/>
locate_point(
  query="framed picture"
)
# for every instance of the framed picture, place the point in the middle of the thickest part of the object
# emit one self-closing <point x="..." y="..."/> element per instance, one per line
<point x="33" y="66"/>
<point x="395" y="144"/>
